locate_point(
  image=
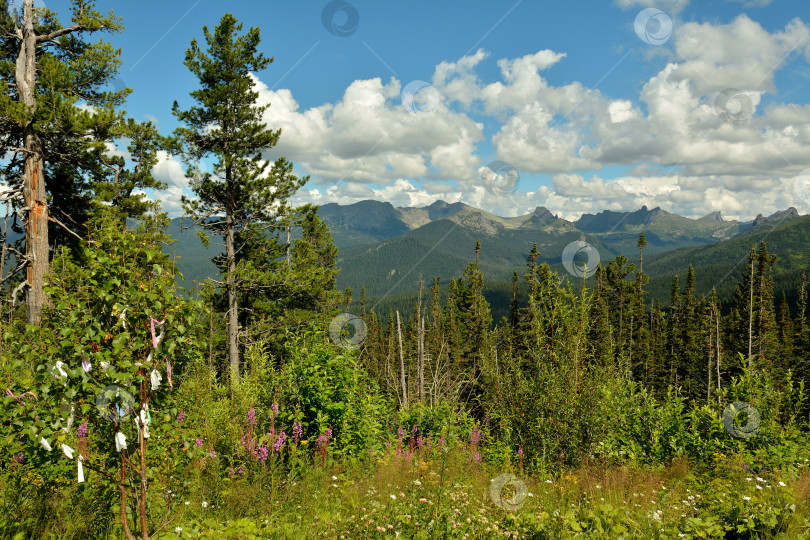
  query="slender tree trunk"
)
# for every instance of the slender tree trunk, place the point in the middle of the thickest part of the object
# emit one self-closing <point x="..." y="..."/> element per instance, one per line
<point x="717" y="340"/>
<point x="422" y="359"/>
<point x="122" y="491"/>
<point x="420" y="344"/>
<point x="750" y="315"/>
<point x="142" y="474"/>
<point x="36" y="222"/>
<point x="3" y="261"/>
<point x="233" y="314"/>
<point x="709" y="384"/>
<point x="402" y="365"/>
<point x="761" y="317"/>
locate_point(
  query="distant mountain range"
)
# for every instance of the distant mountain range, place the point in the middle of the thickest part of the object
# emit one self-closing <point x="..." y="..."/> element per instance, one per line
<point x="386" y="248"/>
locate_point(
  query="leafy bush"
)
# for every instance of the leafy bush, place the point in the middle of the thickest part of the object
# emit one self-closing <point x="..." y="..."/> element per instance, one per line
<point x="96" y="364"/>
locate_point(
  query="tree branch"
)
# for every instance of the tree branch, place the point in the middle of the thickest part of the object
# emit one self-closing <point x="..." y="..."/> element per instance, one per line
<point x="51" y="218"/>
<point x="64" y="31"/>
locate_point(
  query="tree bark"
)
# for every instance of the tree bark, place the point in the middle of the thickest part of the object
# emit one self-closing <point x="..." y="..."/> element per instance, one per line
<point x="717" y="340"/>
<point x="421" y="358"/>
<point x="233" y="314"/>
<point x="709" y="384"/>
<point x="750" y="316"/>
<point x="402" y="366"/>
<point x="36" y="207"/>
<point x="420" y="344"/>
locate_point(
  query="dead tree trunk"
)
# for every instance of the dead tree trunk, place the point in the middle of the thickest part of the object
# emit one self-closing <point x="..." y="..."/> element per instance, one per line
<point x="420" y="344"/>
<point x="751" y="317"/>
<point x="36" y="207"/>
<point x="717" y="341"/>
<point x="709" y="369"/>
<point x="402" y="365"/>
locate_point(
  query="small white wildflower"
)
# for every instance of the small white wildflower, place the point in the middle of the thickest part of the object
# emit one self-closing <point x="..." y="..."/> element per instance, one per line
<point x="760" y="479"/>
<point x="759" y="488"/>
<point x="178" y="529"/>
<point x="334" y="478"/>
<point x="394" y="497"/>
<point x="187" y="503"/>
<point x="782" y="483"/>
<point x="748" y="479"/>
<point x="205" y="504"/>
<point x="746" y="498"/>
<point x="548" y="481"/>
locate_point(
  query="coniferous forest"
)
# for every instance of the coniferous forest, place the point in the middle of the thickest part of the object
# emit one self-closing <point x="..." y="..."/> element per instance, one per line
<point x="269" y="404"/>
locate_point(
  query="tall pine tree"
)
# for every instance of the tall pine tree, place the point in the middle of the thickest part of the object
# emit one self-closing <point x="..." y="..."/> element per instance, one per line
<point x="226" y="123"/>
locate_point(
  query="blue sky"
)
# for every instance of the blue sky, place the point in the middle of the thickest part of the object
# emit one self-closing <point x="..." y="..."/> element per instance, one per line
<point x="705" y="109"/>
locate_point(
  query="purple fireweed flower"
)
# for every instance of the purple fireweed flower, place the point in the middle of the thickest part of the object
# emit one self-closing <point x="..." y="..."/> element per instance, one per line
<point x="280" y="442"/>
<point x="181" y="416"/>
<point x="240" y="470"/>
<point x="82" y="431"/>
<point x="261" y="453"/>
<point x="275" y="407"/>
<point x="19" y="458"/>
<point x="251" y="417"/>
<point x="198" y="443"/>
<point x="441" y="442"/>
<point x="475" y="436"/>
<point x="324" y="437"/>
<point x="401" y="432"/>
<point x="298" y="431"/>
<point x="477" y="457"/>
<point x="414" y="429"/>
<point x="420" y="442"/>
<point x="520" y="451"/>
